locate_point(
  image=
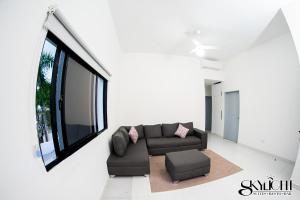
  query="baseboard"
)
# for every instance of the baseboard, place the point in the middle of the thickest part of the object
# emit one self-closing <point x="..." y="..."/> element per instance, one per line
<point x="215" y="134"/>
<point x="255" y="149"/>
<point x="104" y="186"/>
<point x="270" y="154"/>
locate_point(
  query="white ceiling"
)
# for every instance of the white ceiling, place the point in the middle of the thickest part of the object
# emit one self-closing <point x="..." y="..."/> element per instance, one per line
<point x="277" y="26"/>
<point x="160" y="26"/>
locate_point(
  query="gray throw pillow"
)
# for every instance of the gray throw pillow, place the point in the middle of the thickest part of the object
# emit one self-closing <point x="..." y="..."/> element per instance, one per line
<point x="119" y="143"/>
<point x="168" y="130"/>
<point x="153" y="131"/>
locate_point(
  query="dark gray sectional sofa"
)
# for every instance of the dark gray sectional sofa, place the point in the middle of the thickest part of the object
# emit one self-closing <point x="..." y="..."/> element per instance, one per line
<point x="128" y="159"/>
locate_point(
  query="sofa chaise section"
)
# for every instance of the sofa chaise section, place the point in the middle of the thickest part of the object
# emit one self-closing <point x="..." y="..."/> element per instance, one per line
<point x="134" y="163"/>
<point x="126" y="158"/>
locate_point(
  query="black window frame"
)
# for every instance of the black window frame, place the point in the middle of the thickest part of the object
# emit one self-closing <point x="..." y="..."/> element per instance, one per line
<point x="69" y="149"/>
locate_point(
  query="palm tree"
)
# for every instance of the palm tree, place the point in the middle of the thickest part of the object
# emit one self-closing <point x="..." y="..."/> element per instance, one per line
<point x="43" y="92"/>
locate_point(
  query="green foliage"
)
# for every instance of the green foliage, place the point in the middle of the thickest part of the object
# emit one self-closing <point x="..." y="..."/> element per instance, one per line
<point x="43" y="93"/>
<point x="43" y="85"/>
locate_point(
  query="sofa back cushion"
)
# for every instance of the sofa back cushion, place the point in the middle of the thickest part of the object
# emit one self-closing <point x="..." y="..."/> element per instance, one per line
<point x="120" y="142"/>
<point x="139" y="129"/>
<point x="168" y="130"/>
<point x="152" y="131"/>
<point x="125" y="133"/>
<point x="190" y="126"/>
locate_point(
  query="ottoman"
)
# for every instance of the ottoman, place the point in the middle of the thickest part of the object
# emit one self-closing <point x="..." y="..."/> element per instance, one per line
<point x="183" y="165"/>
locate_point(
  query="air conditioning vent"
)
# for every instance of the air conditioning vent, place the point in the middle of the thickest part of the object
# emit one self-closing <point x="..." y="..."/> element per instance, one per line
<point x="211" y="64"/>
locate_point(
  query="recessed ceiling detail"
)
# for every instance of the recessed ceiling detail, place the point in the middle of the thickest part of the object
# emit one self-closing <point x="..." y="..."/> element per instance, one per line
<point x="155" y="26"/>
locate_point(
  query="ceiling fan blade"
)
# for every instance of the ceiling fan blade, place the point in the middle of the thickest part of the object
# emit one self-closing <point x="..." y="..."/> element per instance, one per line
<point x="193" y="50"/>
<point x="209" y="47"/>
<point x="196" y="42"/>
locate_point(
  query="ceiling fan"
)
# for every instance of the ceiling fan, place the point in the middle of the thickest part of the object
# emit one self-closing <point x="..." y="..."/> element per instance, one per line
<point x="200" y="48"/>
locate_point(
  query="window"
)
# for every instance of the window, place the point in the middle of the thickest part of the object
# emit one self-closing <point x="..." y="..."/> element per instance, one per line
<point x="70" y="102"/>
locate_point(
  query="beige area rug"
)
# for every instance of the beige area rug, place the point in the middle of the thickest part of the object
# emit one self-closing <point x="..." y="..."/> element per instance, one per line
<point x="160" y="180"/>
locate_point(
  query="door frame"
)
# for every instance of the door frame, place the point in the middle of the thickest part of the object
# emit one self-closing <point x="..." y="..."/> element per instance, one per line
<point x="210" y="124"/>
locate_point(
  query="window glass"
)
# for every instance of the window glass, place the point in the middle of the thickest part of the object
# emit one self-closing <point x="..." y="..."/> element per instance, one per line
<point x="70" y="102"/>
<point x="43" y="92"/>
<point x="58" y="99"/>
<point x="100" y="103"/>
<point x="78" y="104"/>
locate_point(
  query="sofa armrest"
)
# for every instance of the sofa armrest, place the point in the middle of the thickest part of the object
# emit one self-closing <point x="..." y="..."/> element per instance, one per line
<point x="202" y="135"/>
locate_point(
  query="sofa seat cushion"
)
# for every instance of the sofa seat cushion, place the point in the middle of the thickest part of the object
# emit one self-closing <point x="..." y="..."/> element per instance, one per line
<point x="135" y="156"/>
<point x="172" y="142"/>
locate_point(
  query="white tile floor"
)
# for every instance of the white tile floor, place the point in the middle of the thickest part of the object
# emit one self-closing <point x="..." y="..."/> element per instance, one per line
<point x="255" y="165"/>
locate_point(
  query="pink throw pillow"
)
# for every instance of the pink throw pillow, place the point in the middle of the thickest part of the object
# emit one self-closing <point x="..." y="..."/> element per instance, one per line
<point x="181" y="131"/>
<point x="133" y="134"/>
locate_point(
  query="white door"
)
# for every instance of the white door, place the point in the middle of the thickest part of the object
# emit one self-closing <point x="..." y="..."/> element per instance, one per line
<point x="232" y="116"/>
<point x="217" y="124"/>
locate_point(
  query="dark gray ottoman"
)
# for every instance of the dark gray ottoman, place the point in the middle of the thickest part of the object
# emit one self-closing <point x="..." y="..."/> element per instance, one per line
<point x="187" y="164"/>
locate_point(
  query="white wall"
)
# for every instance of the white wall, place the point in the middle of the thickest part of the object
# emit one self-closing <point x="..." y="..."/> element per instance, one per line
<point x="217" y="122"/>
<point x="292" y="15"/>
<point x="82" y="175"/>
<point x="268" y="78"/>
<point x="210" y="74"/>
<point x="161" y="89"/>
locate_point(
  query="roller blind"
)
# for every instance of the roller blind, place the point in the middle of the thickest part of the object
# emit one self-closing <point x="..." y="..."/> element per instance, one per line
<point x="58" y="25"/>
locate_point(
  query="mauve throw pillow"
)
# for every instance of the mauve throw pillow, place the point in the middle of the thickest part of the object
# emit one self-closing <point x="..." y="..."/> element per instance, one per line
<point x="181" y="131"/>
<point x="139" y="129"/>
<point x="133" y="134"/>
